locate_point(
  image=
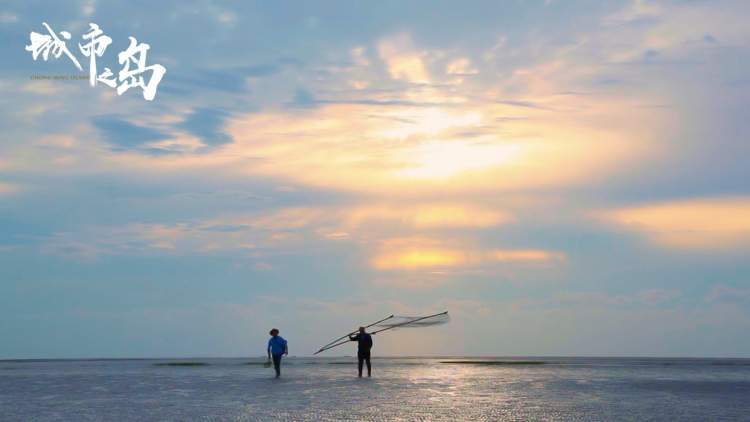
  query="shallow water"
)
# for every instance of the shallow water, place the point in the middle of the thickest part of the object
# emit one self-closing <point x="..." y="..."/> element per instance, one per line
<point x="401" y="389"/>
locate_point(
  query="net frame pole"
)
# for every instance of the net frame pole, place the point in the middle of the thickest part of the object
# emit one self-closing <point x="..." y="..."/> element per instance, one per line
<point x="331" y="346"/>
<point x="331" y="343"/>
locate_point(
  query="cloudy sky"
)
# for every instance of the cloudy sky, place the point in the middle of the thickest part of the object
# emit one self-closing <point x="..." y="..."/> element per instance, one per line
<point x="565" y="177"/>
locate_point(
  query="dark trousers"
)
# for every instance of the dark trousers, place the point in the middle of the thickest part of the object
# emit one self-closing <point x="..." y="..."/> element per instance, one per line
<point x="277" y="364"/>
<point x="362" y="357"/>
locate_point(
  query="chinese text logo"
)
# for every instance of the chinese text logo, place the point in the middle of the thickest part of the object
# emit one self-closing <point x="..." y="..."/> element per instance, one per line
<point x="134" y="71"/>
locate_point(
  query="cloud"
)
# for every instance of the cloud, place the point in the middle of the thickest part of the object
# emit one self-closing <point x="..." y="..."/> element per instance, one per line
<point x="636" y="11"/>
<point x="525" y="255"/>
<point x="373" y="147"/>
<point x="461" y="67"/>
<point x="412" y="281"/>
<point x="44" y="87"/>
<point x="648" y="297"/>
<point x="724" y="293"/>
<point x="654" y="31"/>
<point x="262" y="70"/>
<point x="403" y="62"/>
<point x="8" y="18"/>
<point x="420" y="258"/>
<point x="226" y="80"/>
<point x="124" y="135"/>
<point x="88" y="8"/>
<point x="414" y="253"/>
<point x="424" y="239"/>
<point x="304" y="99"/>
<point x="657" y="296"/>
<point x="208" y="125"/>
<point x="520" y="103"/>
<point x="9" y="188"/>
<point x="421" y="138"/>
<point x="179" y="239"/>
<point x="274" y="228"/>
<point x="698" y="224"/>
<point x="427" y="215"/>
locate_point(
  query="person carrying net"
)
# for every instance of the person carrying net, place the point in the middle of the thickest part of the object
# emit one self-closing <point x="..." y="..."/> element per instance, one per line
<point x="364" y="344"/>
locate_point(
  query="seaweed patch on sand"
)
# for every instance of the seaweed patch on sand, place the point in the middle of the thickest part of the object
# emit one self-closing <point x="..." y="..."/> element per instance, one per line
<point x="494" y="362"/>
<point x="181" y="364"/>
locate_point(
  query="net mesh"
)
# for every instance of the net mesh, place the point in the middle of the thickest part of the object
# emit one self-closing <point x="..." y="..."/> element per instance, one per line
<point x="402" y="321"/>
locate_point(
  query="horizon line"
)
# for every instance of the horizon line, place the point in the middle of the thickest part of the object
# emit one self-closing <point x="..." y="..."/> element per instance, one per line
<point x="376" y="357"/>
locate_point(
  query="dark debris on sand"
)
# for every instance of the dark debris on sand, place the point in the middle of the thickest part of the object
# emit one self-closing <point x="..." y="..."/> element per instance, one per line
<point x="495" y="362"/>
<point x="181" y="364"/>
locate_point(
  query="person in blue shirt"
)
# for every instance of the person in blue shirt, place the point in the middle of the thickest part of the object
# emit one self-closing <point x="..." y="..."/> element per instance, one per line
<point x="276" y="348"/>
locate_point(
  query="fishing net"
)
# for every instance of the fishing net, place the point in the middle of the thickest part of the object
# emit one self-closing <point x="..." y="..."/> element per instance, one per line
<point x="400" y="321"/>
<point x="393" y="322"/>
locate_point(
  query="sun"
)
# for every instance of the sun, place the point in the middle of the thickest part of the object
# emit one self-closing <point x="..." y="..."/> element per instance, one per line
<point x="442" y="159"/>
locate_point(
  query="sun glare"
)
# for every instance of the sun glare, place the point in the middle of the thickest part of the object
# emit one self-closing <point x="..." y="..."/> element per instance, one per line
<point x="445" y="158"/>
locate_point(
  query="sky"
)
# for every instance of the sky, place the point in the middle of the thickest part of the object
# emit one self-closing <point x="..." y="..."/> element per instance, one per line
<point x="564" y="177"/>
